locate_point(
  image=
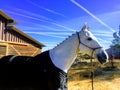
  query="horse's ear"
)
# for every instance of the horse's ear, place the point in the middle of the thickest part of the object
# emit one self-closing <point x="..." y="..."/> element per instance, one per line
<point x="84" y="27"/>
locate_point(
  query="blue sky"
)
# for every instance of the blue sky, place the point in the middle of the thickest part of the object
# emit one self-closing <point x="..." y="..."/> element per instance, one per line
<point x="51" y="21"/>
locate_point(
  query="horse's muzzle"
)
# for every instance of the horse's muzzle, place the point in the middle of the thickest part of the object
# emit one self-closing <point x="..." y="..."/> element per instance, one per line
<point x="102" y="57"/>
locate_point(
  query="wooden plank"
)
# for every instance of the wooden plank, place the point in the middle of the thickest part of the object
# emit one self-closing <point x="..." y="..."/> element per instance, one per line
<point x="3" y="28"/>
<point x="0" y="30"/>
<point x="2" y="49"/>
<point x="11" y="51"/>
<point x="34" y="53"/>
<point x="7" y="36"/>
<point x="23" y="50"/>
<point x="16" y="43"/>
<point x="7" y="49"/>
<point x="19" y="49"/>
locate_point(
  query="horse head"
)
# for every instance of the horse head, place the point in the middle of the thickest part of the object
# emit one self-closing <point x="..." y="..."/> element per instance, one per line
<point x="90" y="45"/>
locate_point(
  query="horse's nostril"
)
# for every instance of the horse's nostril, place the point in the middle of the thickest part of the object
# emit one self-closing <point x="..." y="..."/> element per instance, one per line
<point x="102" y="58"/>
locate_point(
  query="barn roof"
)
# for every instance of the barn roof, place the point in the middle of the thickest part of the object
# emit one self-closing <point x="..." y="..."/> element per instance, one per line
<point x="9" y="19"/>
<point x="12" y="21"/>
<point x="27" y="36"/>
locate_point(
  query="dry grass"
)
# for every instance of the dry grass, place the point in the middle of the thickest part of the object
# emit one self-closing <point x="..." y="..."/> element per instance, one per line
<point x="104" y="80"/>
<point x="98" y="85"/>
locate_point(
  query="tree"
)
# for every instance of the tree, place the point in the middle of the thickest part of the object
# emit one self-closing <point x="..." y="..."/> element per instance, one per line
<point x="116" y="40"/>
<point x="82" y="55"/>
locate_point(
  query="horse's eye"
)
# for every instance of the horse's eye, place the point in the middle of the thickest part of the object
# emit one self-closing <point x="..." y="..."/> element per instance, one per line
<point x="89" y="39"/>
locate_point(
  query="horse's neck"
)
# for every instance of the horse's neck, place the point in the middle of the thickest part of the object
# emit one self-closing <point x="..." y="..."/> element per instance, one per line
<point x="65" y="53"/>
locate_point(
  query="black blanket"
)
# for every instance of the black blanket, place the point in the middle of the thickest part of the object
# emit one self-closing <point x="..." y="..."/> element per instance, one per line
<point x="31" y="73"/>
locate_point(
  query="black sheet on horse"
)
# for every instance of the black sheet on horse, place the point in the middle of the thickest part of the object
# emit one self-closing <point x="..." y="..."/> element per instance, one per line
<point x="37" y="72"/>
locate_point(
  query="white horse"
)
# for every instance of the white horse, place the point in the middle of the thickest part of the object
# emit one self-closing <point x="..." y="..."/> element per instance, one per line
<point x="48" y="70"/>
<point x="65" y="54"/>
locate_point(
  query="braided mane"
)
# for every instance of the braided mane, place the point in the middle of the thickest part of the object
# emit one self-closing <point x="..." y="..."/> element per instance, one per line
<point x="64" y="40"/>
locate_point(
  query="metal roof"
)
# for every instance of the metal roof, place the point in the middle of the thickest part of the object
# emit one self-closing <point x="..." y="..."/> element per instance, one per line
<point x="9" y="19"/>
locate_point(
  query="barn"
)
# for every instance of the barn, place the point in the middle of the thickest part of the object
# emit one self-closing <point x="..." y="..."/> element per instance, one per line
<point x="15" y="42"/>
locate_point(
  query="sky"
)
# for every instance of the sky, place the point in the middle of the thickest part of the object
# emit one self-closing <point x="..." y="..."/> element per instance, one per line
<point x="52" y="21"/>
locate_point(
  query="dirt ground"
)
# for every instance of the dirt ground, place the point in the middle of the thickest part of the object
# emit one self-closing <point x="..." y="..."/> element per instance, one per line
<point x="99" y="85"/>
<point x="105" y="78"/>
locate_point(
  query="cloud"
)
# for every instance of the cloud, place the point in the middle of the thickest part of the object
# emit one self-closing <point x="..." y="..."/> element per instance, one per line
<point x="103" y="33"/>
<point x="53" y="33"/>
<point x="105" y="37"/>
<point x="38" y="19"/>
<point x="102" y="40"/>
<point x="32" y="14"/>
<point x="44" y="28"/>
<point x="26" y="16"/>
<point x="92" y="15"/>
<point x="105" y="42"/>
<point x="49" y="42"/>
<point x="46" y="9"/>
<point x="63" y="27"/>
<point x="33" y="27"/>
<point x="111" y="18"/>
<point x="54" y="12"/>
<point x="50" y="34"/>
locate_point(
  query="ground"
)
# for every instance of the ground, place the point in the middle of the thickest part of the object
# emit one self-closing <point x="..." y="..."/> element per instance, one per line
<point x="105" y="77"/>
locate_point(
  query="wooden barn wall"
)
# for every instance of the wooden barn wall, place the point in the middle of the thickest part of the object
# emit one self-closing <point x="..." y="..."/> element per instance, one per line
<point x="10" y="35"/>
<point x="2" y="28"/>
<point x="13" y="36"/>
<point x="13" y="43"/>
<point x="3" y="49"/>
<point x="23" y="50"/>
